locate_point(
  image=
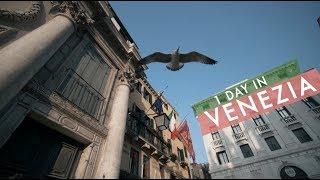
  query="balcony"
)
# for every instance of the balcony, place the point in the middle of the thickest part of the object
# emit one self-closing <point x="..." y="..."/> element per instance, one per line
<point x="289" y="120"/>
<point x="217" y="143"/>
<point x="263" y="129"/>
<point x="239" y="136"/>
<point x="316" y="109"/>
<point x="75" y="89"/>
<point x="148" y="138"/>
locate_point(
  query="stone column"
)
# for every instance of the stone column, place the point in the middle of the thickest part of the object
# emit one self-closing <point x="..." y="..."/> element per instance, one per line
<point x="109" y="167"/>
<point x="23" y="58"/>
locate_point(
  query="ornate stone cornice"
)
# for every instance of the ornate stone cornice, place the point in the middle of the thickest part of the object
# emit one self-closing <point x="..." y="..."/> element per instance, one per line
<point x="25" y="16"/>
<point x="72" y="10"/>
<point x="69" y="108"/>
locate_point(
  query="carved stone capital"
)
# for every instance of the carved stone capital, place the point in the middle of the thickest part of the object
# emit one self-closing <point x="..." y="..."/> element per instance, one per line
<point x="127" y="77"/>
<point x="22" y="16"/>
<point x="73" y="11"/>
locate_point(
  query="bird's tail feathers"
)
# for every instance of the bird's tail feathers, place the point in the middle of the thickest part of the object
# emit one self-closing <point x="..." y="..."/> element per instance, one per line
<point x="172" y="68"/>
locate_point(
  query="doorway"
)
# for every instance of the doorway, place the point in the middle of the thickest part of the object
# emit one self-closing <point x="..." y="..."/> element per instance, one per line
<point x="36" y="151"/>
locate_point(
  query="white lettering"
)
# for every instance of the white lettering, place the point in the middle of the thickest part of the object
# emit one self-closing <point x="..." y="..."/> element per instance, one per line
<point x="263" y="81"/>
<point x="229" y="92"/>
<point x="279" y="88"/>
<point x="214" y="120"/>
<point x="217" y="99"/>
<point x="228" y="111"/>
<point x="244" y="87"/>
<point x="303" y="88"/>
<point x="254" y="83"/>
<point x="291" y="90"/>
<point x="238" y="92"/>
<point x="242" y="104"/>
<point x="262" y="99"/>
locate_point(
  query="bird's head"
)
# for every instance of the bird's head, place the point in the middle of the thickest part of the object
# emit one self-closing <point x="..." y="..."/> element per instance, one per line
<point x="177" y="50"/>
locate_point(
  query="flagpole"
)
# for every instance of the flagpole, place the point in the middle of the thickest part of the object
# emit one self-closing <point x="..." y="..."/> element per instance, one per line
<point x="159" y="95"/>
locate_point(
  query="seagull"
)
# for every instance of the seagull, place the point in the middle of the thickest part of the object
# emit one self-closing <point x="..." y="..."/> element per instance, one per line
<point x="176" y="60"/>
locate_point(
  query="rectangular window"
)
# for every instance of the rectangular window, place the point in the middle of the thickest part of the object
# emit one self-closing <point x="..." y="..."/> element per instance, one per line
<point x="134" y="166"/>
<point x="215" y="135"/>
<point x="259" y="121"/>
<point x="185" y="152"/>
<point x="181" y="154"/>
<point x="86" y="80"/>
<point x="222" y="157"/>
<point x="246" y="150"/>
<point x="283" y="112"/>
<point x="310" y="102"/>
<point x="302" y="135"/>
<point x="272" y="143"/>
<point x="236" y="129"/>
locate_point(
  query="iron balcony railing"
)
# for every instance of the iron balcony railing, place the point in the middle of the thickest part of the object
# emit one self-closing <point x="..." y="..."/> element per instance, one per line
<point x="142" y="129"/>
<point x="316" y="109"/>
<point x="217" y="143"/>
<point x="263" y="128"/>
<point x="239" y="136"/>
<point x="75" y="89"/>
<point x="288" y="120"/>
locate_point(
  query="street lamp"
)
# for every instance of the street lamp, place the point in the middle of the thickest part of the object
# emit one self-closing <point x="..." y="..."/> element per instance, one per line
<point x="162" y="121"/>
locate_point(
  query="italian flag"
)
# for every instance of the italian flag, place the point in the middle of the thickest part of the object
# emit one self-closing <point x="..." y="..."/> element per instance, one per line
<point x="172" y="125"/>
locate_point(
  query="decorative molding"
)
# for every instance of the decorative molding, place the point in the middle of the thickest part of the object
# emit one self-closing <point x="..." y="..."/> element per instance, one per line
<point x="28" y="15"/>
<point x="60" y="103"/>
<point x="127" y="76"/>
<point x="79" y="17"/>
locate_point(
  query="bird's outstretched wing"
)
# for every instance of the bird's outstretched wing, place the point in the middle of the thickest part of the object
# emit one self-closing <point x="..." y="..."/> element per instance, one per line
<point x="196" y="57"/>
<point x="156" y="57"/>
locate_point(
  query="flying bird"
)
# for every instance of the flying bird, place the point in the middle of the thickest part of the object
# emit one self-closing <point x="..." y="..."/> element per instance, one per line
<point x="176" y="60"/>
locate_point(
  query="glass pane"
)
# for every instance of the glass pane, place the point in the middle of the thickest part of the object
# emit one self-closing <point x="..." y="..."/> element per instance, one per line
<point x="222" y="157"/>
<point x="258" y="121"/>
<point x="246" y="151"/>
<point x="236" y="129"/>
<point x="302" y="135"/>
<point x="272" y="143"/>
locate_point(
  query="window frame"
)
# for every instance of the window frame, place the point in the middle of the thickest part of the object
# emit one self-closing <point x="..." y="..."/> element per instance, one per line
<point x="260" y="120"/>
<point x="273" y="147"/>
<point x="248" y="153"/>
<point x="234" y="127"/>
<point x="226" y="156"/>
<point x="283" y="109"/>
<point x="311" y="105"/>
<point x="215" y="135"/>
<point x="301" y="139"/>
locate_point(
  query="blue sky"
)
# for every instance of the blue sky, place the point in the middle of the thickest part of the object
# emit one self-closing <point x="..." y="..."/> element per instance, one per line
<point x="247" y="38"/>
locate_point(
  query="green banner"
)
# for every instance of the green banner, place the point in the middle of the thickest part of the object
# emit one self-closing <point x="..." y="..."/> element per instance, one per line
<point x="268" y="78"/>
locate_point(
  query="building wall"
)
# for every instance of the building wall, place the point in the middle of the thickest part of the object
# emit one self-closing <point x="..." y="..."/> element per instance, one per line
<point x="137" y="98"/>
<point x="40" y="99"/>
<point x="266" y="163"/>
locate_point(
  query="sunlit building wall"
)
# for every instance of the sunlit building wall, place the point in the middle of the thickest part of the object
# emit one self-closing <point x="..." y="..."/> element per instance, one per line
<point x="284" y="143"/>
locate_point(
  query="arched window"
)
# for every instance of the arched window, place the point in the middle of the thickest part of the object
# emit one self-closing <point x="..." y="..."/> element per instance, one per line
<point x="292" y="172"/>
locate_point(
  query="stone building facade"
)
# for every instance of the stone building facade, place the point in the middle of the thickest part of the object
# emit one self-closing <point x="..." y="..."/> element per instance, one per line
<point x="66" y="76"/>
<point x="148" y="152"/>
<point x="284" y="143"/>
<point x="200" y="171"/>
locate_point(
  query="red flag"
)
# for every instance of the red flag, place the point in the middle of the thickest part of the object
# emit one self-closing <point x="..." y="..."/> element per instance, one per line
<point x="184" y="133"/>
<point x="174" y="133"/>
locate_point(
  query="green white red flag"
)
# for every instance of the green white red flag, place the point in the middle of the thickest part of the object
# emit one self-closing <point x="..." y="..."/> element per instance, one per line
<point x="172" y="125"/>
